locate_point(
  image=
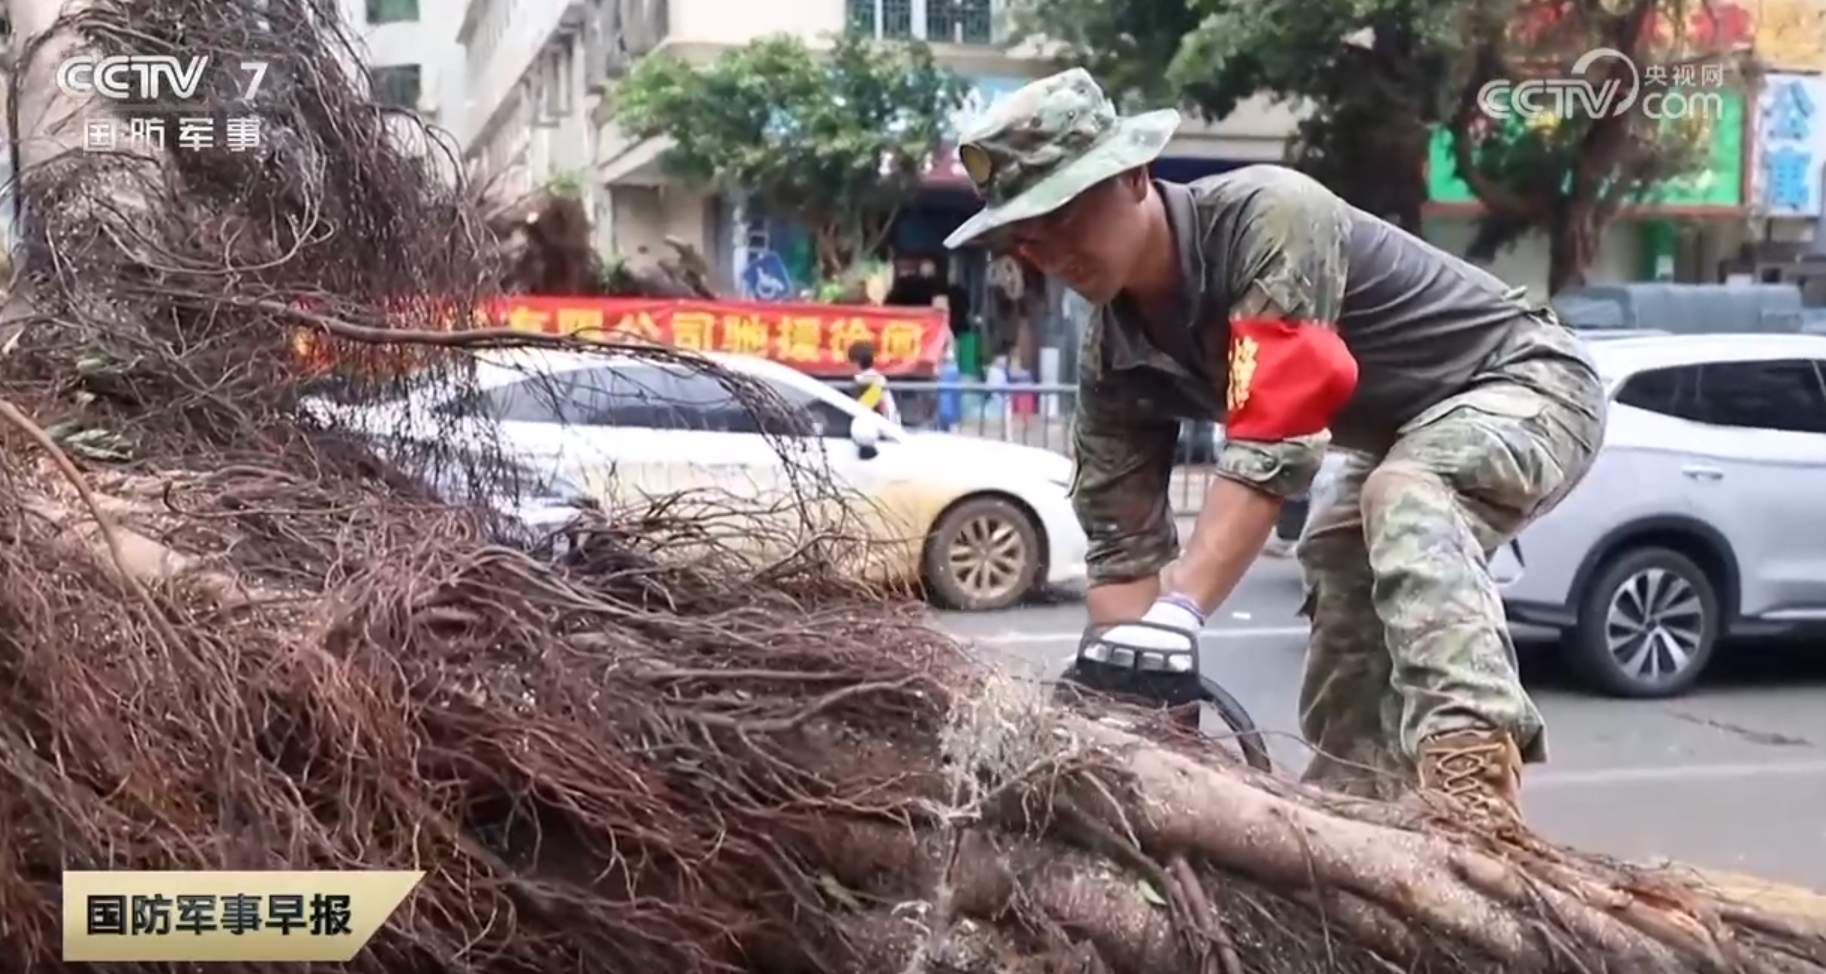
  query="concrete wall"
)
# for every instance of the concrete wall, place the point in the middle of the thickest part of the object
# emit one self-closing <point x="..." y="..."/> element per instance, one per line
<point x="739" y="21"/>
<point x="525" y="118"/>
<point x="1256" y="131"/>
<point x="504" y="40"/>
<point x="1700" y="246"/>
<point x="1525" y="263"/>
<point x="644" y="216"/>
<point x="430" y="43"/>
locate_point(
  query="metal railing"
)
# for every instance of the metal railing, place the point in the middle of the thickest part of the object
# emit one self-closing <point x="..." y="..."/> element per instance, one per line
<point x="1039" y="415"/>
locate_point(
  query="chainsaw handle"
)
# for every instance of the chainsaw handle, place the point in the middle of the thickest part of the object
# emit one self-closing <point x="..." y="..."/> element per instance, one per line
<point x="1094" y="636"/>
<point x="1170" y="688"/>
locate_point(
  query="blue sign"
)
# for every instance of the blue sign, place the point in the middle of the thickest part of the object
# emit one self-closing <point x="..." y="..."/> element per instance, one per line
<point x="1791" y="115"/>
<point x="1793" y="144"/>
<point x="766" y="278"/>
<point x="1786" y="172"/>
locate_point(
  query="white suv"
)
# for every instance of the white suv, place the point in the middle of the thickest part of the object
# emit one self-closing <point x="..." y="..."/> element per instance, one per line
<point x="1704" y="515"/>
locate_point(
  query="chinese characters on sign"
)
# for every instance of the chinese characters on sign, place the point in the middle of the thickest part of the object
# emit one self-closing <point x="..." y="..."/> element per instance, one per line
<point x="1792" y="134"/>
<point x="122" y="916"/>
<point x="227" y="916"/>
<point x="813" y="338"/>
<point x="1685" y="75"/>
<point x="193" y="133"/>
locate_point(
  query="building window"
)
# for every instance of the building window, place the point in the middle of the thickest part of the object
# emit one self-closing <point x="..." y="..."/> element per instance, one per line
<point x="957" y="21"/>
<point x="937" y="21"/>
<point x="392" y="11"/>
<point x="396" y="86"/>
<point x="862" y="18"/>
<point x="555" y="84"/>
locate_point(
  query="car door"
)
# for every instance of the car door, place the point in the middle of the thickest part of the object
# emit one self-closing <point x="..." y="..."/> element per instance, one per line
<point x="1760" y="474"/>
<point x="664" y="431"/>
<point x="630" y="432"/>
<point x="871" y="495"/>
<point x="526" y="418"/>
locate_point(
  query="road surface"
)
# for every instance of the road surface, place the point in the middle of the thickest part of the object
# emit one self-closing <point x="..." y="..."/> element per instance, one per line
<point x="1731" y="776"/>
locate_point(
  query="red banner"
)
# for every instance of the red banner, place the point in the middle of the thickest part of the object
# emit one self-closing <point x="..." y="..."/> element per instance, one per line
<point x="813" y="338"/>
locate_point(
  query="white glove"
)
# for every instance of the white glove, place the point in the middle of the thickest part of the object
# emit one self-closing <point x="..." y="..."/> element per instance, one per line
<point x="1168" y="610"/>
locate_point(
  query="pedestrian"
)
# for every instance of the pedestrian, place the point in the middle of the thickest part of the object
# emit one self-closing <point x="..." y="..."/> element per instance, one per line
<point x="1258" y="298"/>
<point x="871" y="386"/>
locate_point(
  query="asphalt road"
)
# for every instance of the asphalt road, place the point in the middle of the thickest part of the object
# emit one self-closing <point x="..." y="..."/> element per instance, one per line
<point x="1731" y="776"/>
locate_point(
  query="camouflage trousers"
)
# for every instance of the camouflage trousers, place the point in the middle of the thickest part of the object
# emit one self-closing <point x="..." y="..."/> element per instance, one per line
<point x="1409" y="637"/>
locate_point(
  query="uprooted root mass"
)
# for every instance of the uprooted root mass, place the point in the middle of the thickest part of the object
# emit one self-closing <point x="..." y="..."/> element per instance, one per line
<point x="235" y="640"/>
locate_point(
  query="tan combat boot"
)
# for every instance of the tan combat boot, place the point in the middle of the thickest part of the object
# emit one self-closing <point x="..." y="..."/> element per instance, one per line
<point x="1479" y="769"/>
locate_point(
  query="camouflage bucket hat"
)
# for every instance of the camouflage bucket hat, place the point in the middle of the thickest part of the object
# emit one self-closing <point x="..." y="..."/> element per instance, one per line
<point x="1048" y="142"/>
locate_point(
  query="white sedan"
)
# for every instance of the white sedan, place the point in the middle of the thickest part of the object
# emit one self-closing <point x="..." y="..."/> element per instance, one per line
<point x="977" y="524"/>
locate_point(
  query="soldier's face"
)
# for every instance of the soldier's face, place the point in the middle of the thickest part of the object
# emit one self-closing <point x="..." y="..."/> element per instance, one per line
<point x="1091" y="243"/>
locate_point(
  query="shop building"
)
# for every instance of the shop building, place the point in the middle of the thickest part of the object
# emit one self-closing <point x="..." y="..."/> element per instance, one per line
<point x="761" y="256"/>
<point x="1785" y="236"/>
<point x="413" y="61"/>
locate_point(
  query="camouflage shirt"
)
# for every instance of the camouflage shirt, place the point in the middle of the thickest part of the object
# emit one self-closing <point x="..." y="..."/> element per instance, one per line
<point x="1303" y="322"/>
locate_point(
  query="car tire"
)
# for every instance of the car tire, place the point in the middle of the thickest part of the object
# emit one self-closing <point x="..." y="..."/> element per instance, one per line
<point x="1643" y="596"/>
<point x="984" y="554"/>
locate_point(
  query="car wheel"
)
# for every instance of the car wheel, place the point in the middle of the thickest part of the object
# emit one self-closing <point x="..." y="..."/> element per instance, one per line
<point x="984" y="554"/>
<point x="1647" y="626"/>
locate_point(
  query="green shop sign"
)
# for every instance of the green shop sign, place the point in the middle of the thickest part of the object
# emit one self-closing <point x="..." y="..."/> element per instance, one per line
<point x="1719" y="184"/>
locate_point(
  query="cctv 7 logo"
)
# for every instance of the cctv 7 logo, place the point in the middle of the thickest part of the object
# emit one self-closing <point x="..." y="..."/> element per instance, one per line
<point x="258" y="69"/>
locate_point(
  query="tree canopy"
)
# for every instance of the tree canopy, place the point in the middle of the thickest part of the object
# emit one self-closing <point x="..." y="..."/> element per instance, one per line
<point x="1380" y="76"/>
<point x="837" y="140"/>
<point x="1571" y="173"/>
<point x="1372" y="100"/>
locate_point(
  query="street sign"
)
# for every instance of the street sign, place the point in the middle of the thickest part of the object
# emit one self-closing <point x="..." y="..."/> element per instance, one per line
<point x="766" y="277"/>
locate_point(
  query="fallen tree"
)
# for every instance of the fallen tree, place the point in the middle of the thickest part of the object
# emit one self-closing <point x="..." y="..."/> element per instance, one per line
<point x="547" y="249"/>
<point x="235" y="639"/>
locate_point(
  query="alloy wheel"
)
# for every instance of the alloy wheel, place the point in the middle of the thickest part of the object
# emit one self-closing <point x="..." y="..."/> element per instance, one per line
<point x="987" y="556"/>
<point x="1654" y="625"/>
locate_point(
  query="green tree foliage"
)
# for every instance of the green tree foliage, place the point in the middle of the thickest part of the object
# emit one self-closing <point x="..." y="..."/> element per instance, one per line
<point x="1571" y="175"/>
<point x="1380" y="75"/>
<point x="837" y="140"/>
<point x="1374" y="92"/>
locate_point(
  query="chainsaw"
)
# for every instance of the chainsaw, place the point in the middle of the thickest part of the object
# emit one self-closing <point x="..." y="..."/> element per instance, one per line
<point x="1167" y="676"/>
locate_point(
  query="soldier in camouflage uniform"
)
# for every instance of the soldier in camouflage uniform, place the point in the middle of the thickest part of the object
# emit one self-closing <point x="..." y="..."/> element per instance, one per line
<point x="1259" y="298"/>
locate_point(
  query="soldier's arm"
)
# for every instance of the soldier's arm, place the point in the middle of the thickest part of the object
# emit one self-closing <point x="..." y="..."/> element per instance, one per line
<point x="1290" y="374"/>
<point x="1123" y="465"/>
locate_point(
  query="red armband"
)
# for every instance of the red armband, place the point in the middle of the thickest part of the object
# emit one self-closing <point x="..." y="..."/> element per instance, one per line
<point x="1287" y="378"/>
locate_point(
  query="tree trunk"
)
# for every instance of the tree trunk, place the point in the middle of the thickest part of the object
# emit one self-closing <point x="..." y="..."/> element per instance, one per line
<point x="1373" y="154"/>
<point x="827" y="239"/>
<point x="1572" y="244"/>
<point x="1405" y="181"/>
<point x="42" y="120"/>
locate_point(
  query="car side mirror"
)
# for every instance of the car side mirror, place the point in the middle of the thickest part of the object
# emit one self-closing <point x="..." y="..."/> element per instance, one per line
<point x="866" y="434"/>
